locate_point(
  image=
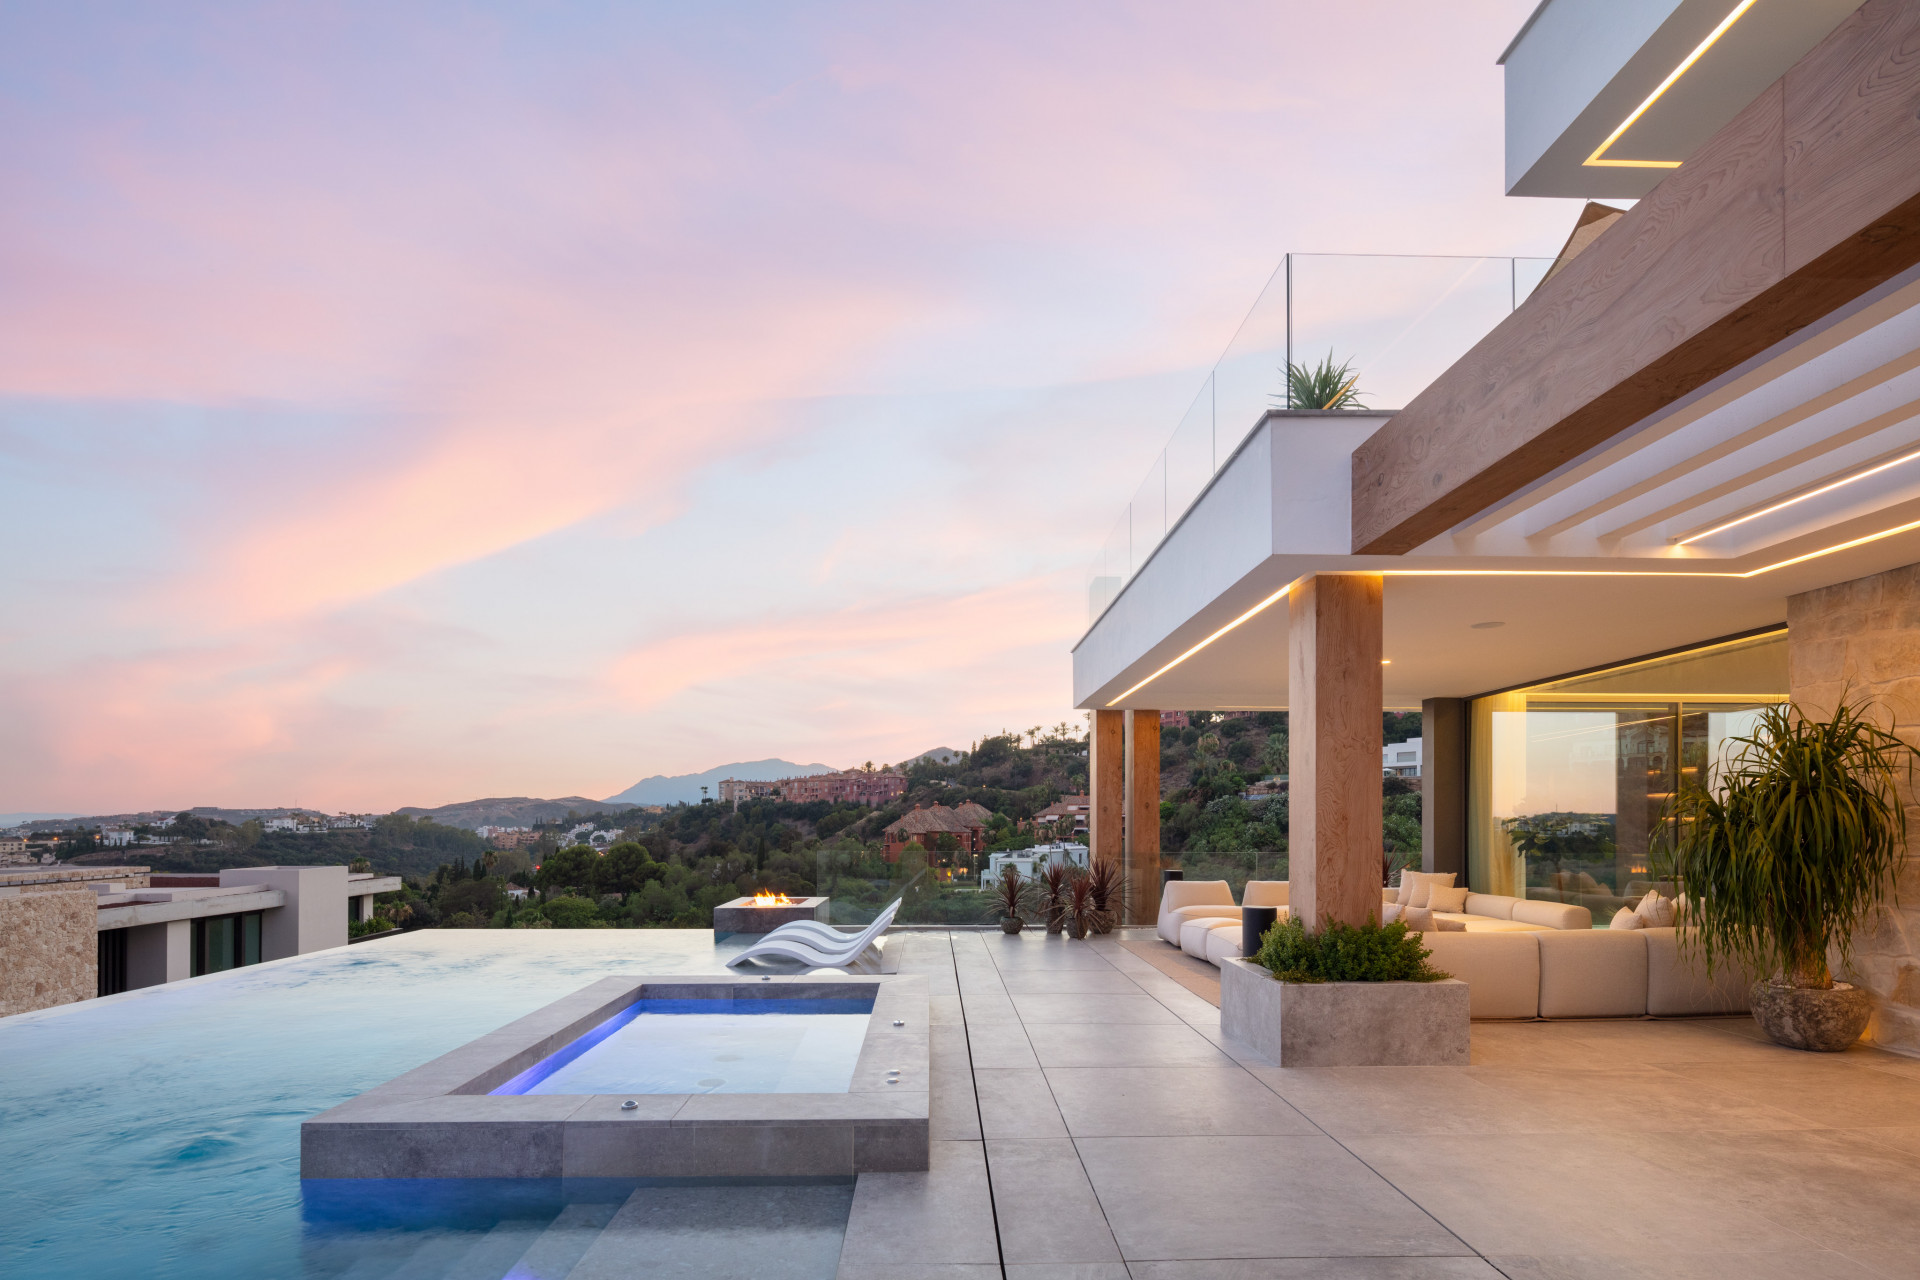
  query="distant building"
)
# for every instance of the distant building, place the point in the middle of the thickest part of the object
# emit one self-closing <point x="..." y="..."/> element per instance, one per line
<point x="850" y="786"/>
<point x="507" y="837"/>
<point x="280" y="824"/>
<point x="1068" y="814"/>
<point x="1175" y="720"/>
<point x="116" y="836"/>
<point x="1026" y="861"/>
<point x="967" y="824"/>
<point x="1400" y="759"/>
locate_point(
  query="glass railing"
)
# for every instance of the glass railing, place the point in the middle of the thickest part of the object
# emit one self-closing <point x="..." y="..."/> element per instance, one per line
<point x="1235" y="868"/>
<point x="1394" y="323"/>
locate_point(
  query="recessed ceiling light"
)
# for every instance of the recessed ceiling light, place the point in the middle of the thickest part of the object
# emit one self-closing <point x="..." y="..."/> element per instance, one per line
<point x="1487" y="626"/>
<point x="1386" y="662"/>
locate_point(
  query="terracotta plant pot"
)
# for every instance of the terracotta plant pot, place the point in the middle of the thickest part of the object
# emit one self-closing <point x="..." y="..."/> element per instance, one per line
<point x="1824" y="1020"/>
<point x="1011" y="924"/>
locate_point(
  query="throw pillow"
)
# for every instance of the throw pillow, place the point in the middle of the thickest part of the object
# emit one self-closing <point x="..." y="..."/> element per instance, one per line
<point x="1441" y="898"/>
<point x="1655" y="912"/>
<point x="1625" y="919"/>
<point x="1424" y="884"/>
<point x="1405" y="896"/>
<point x="1390" y="912"/>
<point x="1441" y="925"/>
<point x="1418" y="919"/>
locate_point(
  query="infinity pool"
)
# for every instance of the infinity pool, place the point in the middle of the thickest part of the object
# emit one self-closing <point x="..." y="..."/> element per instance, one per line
<point x="709" y="1046"/>
<point x="157" y="1133"/>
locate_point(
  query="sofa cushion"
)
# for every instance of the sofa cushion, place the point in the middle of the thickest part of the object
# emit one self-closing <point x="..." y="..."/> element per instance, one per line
<point x="1441" y="924"/>
<point x="1592" y="973"/>
<point x="1175" y="894"/>
<point x="1485" y="924"/>
<point x="1193" y="934"/>
<point x="1418" y="919"/>
<point x="1443" y="898"/>
<point x="1678" y="985"/>
<point x="1264" y="893"/>
<point x="1554" y="915"/>
<point x="1626" y="918"/>
<point x="1423" y="883"/>
<point x="1223" y="944"/>
<point x="1501" y="970"/>
<point x="1492" y="905"/>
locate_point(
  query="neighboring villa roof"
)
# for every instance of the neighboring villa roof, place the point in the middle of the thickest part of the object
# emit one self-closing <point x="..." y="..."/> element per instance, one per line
<point x="939" y="818"/>
<point x="1065" y="807"/>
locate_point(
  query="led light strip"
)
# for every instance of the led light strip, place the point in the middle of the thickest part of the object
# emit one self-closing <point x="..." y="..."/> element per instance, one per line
<point x="1279" y="595"/>
<point x="1784" y="503"/>
<point x="1595" y="160"/>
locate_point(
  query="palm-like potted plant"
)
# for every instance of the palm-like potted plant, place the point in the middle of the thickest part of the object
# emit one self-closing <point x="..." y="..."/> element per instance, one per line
<point x="1078" y="909"/>
<point x="1785" y="854"/>
<point x="1012" y="897"/>
<point x="1324" y="386"/>
<point x="1108" y="888"/>
<point x="1053" y="895"/>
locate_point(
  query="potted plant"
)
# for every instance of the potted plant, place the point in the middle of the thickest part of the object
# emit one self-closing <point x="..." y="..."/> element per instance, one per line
<point x="1053" y="895"/>
<point x="1011" y="897"/>
<point x="1323" y="387"/>
<point x="1784" y="858"/>
<point x="1078" y="909"/>
<point x="1108" y="890"/>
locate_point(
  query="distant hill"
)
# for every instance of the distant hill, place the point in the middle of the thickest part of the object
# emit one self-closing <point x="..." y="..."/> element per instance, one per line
<point x="510" y="811"/>
<point x="661" y="789"/>
<point x="939" y="755"/>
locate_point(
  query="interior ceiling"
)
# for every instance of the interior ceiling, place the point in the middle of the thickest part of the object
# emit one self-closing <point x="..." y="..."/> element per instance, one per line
<point x="1815" y="446"/>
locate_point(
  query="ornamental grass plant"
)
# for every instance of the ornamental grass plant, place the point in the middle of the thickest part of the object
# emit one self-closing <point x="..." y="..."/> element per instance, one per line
<point x="1345" y="953"/>
<point x="1792" y="843"/>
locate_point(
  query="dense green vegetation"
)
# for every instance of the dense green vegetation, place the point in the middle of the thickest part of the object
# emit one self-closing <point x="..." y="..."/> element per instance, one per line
<point x="394" y="845"/>
<point x="1345" y="953"/>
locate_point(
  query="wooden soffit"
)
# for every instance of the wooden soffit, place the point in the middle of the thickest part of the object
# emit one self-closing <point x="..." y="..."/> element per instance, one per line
<point x="1806" y="200"/>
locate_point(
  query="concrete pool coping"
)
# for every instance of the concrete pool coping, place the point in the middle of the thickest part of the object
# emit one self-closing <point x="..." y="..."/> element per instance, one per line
<point x="439" y="1121"/>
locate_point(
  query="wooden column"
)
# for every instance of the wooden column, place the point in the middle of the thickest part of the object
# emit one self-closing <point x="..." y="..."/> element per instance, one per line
<point x="1107" y="783"/>
<point x="1334" y="696"/>
<point x="1141" y="866"/>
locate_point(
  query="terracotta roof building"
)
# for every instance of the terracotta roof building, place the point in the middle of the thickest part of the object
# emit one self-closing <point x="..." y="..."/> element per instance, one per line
<point x="967" y="824"/>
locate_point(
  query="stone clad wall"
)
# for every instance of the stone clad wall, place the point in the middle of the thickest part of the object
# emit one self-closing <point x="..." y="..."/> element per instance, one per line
<point x="48" y="952"/>
<point x="1863" y="638"/>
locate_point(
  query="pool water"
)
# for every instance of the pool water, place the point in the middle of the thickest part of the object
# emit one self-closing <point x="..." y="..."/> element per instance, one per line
<point x="710" y="1046"/>
<point x="157" y="1133"/>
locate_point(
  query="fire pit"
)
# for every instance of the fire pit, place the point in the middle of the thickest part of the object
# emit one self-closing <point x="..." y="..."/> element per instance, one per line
<point x="763" y="913"/>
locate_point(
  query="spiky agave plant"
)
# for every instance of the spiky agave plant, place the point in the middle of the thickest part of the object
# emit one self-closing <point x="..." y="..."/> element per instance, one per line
<point x="1078" y="910"/>
<point x="1109" y="892"/>
<point x="1797" y="843"/>
<point x="1053" y="894"/>
<point x="1012" y="894"/>
<point x="1323" y="386"/>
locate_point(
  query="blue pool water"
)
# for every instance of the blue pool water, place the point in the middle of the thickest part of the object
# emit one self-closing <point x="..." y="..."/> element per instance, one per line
<point x="709" y="1046"/>
<point x="156" y="1133"/>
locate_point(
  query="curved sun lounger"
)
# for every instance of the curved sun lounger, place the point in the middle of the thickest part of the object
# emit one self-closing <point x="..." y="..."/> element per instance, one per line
<point x="819" y="934"/>
<point x="817" y="952"/>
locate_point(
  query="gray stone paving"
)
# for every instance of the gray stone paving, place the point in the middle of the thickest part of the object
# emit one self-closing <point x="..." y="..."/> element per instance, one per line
<point x="1090" y="1122"/>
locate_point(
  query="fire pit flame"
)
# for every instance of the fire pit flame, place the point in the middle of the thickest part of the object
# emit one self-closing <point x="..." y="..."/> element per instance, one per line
<point x="765" y="899"/>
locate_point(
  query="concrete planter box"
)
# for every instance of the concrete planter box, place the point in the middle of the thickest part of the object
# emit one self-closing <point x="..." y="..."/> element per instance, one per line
<point x="1345" y="1024"/>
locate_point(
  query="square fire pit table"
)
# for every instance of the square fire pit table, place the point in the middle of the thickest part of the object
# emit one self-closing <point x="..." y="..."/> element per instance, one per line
<point x="742" y="916"/>
<point x="538" y="1099"/>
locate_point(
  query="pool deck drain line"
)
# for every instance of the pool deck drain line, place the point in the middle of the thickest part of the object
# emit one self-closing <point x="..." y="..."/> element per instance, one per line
<point x="986" y="1159"/>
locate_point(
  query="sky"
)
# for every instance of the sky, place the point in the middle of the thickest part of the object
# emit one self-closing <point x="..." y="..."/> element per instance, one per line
<point x="406" y="404"/>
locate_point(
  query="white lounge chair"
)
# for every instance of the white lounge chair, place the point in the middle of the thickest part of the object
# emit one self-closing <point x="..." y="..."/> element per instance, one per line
<point x="820" y="934"/>
<point x="816" y="952"/>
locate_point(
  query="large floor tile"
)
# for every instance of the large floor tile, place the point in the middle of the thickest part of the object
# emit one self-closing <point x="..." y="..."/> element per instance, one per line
<point x="1348" y="1101"/>
<point x="1318" y="1269"/>
<point x="1287" y="1197"/>
<point x="1108" y="1102"/>
<point x="1063" y="982"/>
<point x="1651" y="1098"/>
<point x="1837" y="1091"/>
<point x="1112" y="1009"/>
<point x="1017" y="1104"/>
<point x="1578" y="1194"/>
<point x="1000" y="1044"/>
<point x="1800" y="1264"/>
<point x="1047" y="1210"/>
<point x="903" y="1222"/>
<point x="1096" y="1045"/>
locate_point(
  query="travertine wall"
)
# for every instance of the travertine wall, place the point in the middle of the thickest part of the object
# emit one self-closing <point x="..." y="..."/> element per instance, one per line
<point x="48" y="950"/>
<point x="1863" y="638"/>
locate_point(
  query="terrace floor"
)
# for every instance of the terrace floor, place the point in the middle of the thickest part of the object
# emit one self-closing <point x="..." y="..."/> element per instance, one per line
<point x="1090" y="1121"/>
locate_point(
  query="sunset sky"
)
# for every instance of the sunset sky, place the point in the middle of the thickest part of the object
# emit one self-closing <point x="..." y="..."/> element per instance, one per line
<point x="406" y="404"/>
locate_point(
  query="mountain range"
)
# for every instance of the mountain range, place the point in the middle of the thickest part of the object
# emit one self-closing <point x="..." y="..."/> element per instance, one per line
<point x="664" y="789"/>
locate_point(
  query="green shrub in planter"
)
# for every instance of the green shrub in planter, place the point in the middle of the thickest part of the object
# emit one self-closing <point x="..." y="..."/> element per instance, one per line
<point x="1345" y="953"/>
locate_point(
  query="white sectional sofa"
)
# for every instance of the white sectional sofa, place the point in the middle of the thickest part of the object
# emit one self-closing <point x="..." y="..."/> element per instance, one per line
<point x="1537" y="960"/>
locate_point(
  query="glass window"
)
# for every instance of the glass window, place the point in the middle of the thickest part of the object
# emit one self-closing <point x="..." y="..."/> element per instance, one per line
<point x="1569" y="780"/>
<point x="250" y="938"/>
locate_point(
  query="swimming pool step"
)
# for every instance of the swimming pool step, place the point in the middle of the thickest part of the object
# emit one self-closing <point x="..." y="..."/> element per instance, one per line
<point x="557" y="1250"/>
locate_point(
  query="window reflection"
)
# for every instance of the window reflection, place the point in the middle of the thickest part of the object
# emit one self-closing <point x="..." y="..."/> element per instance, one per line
<point x="1570" y="779"/>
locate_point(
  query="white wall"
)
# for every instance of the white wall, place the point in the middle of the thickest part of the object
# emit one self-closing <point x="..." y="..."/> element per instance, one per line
<point x="315" y="917"/>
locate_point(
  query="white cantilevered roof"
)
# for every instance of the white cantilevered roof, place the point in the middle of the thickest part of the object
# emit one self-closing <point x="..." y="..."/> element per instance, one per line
<point x="1797" y="470"/>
